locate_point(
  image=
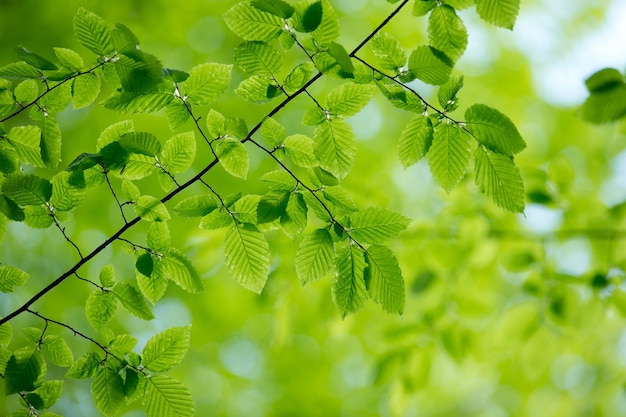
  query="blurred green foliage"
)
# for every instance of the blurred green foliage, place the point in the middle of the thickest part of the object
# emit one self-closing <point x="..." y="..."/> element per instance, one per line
<point x="506" y="315"/>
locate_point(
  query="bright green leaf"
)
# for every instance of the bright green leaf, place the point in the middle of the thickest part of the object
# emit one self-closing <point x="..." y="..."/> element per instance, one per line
<point x="27" y="189"/>
<point x="233" y="157"/>
<point x="178" y="153"/>
<point x="166" y="349"/>
<point x="348" y="288"/>
<point x="348" y="99"/>
<point x="279" y="180"/>
<point x="335" y="146"/>
<point x="430" y="65"/>
<point x="107" y="391"/>
<point x="206" y="82"/>
<point x="11" y="277"/>
<point x="151" y="209"/>
<point x="132" y="300"/>
<point x="415" y="140"/>
<point x="502" y="13"/>
<point x="27" y="143"/>
<point x="300" y="149"/>
<point x="315" y="256"/>
<point x="100" y="308"/>
<point x="376" y="225"/>
<point x="85" y="90"/>
<point x="383" y="279"/>
<point x="84" y="367"/>
<point x="166" y="397"/>
<point x="253" y="24"/>
<point x="389" y="52"/>
<point x="258" y="58"/>
<point x="494" y="130"/>
<point x="57" y="351"/>
<point x="247" y="256"/>
<point x="180" y="270"/>
<point x="447" y="32"/>
<point x="498" y="177"/>
<point x="449" y="155"/>
<point x="93" y="32"/>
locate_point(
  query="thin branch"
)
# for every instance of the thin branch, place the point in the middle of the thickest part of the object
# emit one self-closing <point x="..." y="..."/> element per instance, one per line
<point x="62" y="229"/>
<point x="119" y="204"/>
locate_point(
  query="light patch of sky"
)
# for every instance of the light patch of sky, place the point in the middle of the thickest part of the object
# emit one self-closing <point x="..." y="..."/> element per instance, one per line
<point x="614" y="189"/>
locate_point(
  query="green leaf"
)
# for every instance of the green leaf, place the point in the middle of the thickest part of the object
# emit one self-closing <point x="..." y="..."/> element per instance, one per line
<point x="180" y="270"/>
<point x="113" y="132"/>
<point x="339" y="53"/>
<point x="310" y="18"/>
<point x="142" y="143"/>
<point x="605" y="105"/>
<point x="84" y="367"/>
<point x="300" y="149"/>
<point x="33" y="59"/>
<point x="177" y="115"/>
<point x="273" y="132"/>
<point x="132" y="300"/>
<point x="275" y="7"/>
<point x="38" y="217"/>
<point x="85" y="90"/>
<point x="26" y="140"/>
<point x="498" y="177"/>
<point x="11" y="210"/>
<point x="215" y="123"/>
<point x="93" y="32"/>
<point x="6" y="334"/>
<point x="389" y="52"/>
<point x="279" y="180"/>
<point x="348" y="288"/>
<point x="349" y="99"/>
<point x="258" y="58"/>
<point x="131" y="103"/>
<point x="339" y="197"/>
<point x="154" y="284"/>
<point x="100" y="308"/>
<point x="258" y="89"/>
<point x="447" y="32"/>
<point x="502" y="13"/>
<point x="233" y="157"/>
<point x="449" y="155"/>
<point x="27" y="189"/>
<point x="447" y="94"/>
<point x="50" y="393"/>
<point x="151" y="209"/>
<point x="604" y="80"/>
<point x="247" y="256"/>
<point x="400" y="98"/>
<point x="178" y="153"/>
<point x="415" y="140"/>
<point x="376" y="225"/>
<point x="122" y="344"/>
<point x="271" y="206"/>
<point x="11" y="277"/>
<point x="158" y="238"/>
<point x="252" y="24"/>
<point x="107" y="391"/>
<point x="20" y="70"/>
<point x="335" y="146"/>
<point x="57" y="351"/>
<point x="55" y="100"/>
<point x="315" y="256"/>
<point x="25" y="371"/>
<point x="206" y="83"/>
<point x="298" y="77"/>
<point x="216" y="220"/>
<point x="294" y="219"/>
<point x="130" y="191"/>
<point x="494" y="130"/>
<point x="383" y="279"/>
<point x="166" y="397"/>
<point x="107" y="276"/>
<point x="26" y="92"/>
<point x="9" y="161"/>
<point x="69" y="59"/>
<point x="422" y="7"/>
<point x="196" y="206"/>
<point x="50" y="143"/>
<point x="460" y="4"/>
<point x="166" y="349"/>
<point x="430" y="65"/>
<point x="315" y="116"/>
<point x="328" y="29"/>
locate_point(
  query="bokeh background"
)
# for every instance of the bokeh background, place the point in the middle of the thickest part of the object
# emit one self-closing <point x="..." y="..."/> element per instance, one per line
<point x="506" y="315"/>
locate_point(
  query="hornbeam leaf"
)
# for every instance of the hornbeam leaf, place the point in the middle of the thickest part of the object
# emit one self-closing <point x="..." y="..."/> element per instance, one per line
<point x="315" y="256"/>
<point x="258" y="89"/>
<point x="298" y="77"/>
<point x="27" y="143"/>
<point x="151" y="209"/>
<point x="57" y="350"/>
<point x="66" y="193"/>
<point x="430" y="65"/>
<point x="69" y="59"/>
<point x="25" y="370"/>
<point x="328" y="29"/>
<point x="11" y="210"/>
<point x="142" y="143"/>
<point x="85" y="90"/>
<point x="100" y="308"/>
<point x="311" y="18"/>
<point x="166" y="349"/>
<point x="348" y="99"/>
<point x="279" y="180"/>
<point x="447" y="94"/>
<point x="9" y="161"/>
<point x="166" y="397"/>
<point x="49" y="392"/>
<point x="93" y="32"/>
<point x="6" y="334"/>
<point x="335" y="146"/>
<point x="233" y="156"/>
<point x="502" y="13"/>
<point x="27" y="189"/>
<point x="180" y="270"/>
<point x="389" y="52"/>
<point x="494" y="130"/>
<point x="26" y="91"/>
<point x="415" y="140"/>
<point x="20" y="70"/>
<point x="422" y="7"/>
<point x="138" y="103"/>
<point x="253" y="24"/>
<point x="449" y="155"/>
<point x="273" y="132"/>
<point x="339" y="53"/>
<point x="196" y="206"/>
<point x="294" y="219"/>
<point x="132" y="300"/>
<point x="84" y="367"/>
<point x="158" y="238"/>
<point x="258" y="58"/>
<point x="177" y="115"/>
<point x="107" y="391"/>
<point x="376" y="225"/>
<point x="50" y="143"/>
<point x="38" y="217"/>
<point x="152" y="286"/>
<point x="247" y="256"/>
<point x="275" y="7"/>
<point x="206" y="82"/>
<point x="178" y="153"/>
<point x="11" y="277"/>
<point x="300" y="149"/>
<point x="348" y="288"/>
<point x="447" y="32"/>
<point x="383" y="279"/>
<point x="498" y="177"/>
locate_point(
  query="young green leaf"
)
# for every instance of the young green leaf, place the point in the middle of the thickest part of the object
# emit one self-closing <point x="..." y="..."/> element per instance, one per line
<point x="258" y="89"/>
<point x="93" y="32"/>
<point x="122" y="344"/>
<point x="422" y="7"/>
<point x="113" y="132"/>
<point x="132" y="300"/>
<point x="196" y="206"/>
<point x="166" y="349"/>
<point x="26" y="91"/>
<point x="49" y="392"/>
<point x="498" y="177"/>
<point x="151" y="209"/>
<point x="50" y="143"/>
<point x="449" y="155"/>
<point x="298" y="77"/>
<point x="9" y="161"/>
<point x="273" y="132"/>
<point x="400" y="98"/>
<point x="348" y="288"/>
<point x="25" y="370"/>
<point x="430" y="65"/>
<point x="38" y="217"/>
<point x="349" y="99"/>
<point x="275" y="7"/>
<point x="247" y="256"/>
<point x="300" y="149"/>
<point x="447" y="32"/>
<point x="180" y="270"/>
<point x="294" y="219"/>
<point x="57" y="350"/>
<point x="253" y="24"/>
<point x="142" y="143"/>
<point x="84" y="367"/>
<point x="20" y="70"/>
<point x="315" y="256"/>
<point x="85" y="90"/>
<point x="69" y="59"/>
<point x="339" y="53"/>
<point x="383" y="279"/>
<point x="376" y="225"/>
<point x="154" y="284"/>
<point x="234" y="157"/>
<point x="27" y="189"/>
<point x="415" y="140"/>
<point x="502" y="13"/>
<point x="26" y="140"/>
<point x="6" y="334"/>
<point x="279" y="180"/>
<point x="177" y="115"/>
<point x="335" y="146"/>
<point x="389" y="52"/>
<point x="447" y="94"/>
<point x="315" y="116"/>
<point x="178" y="153"/>
<point x="100" y="308"/>
<point x="107" y="276"/>
<point x="494" y="130"/>
<point x="166" y="397"/>
<point x="10" y="277"/>
<point x="216" y="220"/>
<point x="328" y="29"/>
<point x="339" y="197"/>
<point x="258" y="58"/>
<point x="107" y="391"/>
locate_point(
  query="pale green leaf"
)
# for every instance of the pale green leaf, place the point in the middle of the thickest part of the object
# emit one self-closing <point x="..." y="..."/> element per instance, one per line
<point x="84" y="367"/>
<point x="348" y="99"/>
<point x="69" y="59"/>
<point x="335" y="146"/>
<point x="389" y="52"/>
<point x="10" y="277"/>
<point x="151" y="209"/>
<point x="245" y="210"/>
<point x="166" y="397"/>
<point x="55" y="100"/>
<point x="132" y="300"/>
<point x="178" y="153"/>
<point x="158" y="238"/>
<point x="376" y="225"/>
<point x="20" y="70"/>
<point x="460" y="4"/>
<point x="57" y="351"/>
<point x="298" y="77"/>
<point x="85" y="90"/>
<point x="315" y="116"/>
<point x="215" y="123"/>
<point x="49" y="392"/>
<point x="50" y="143"/>
<point x="328" y="30"/>
<point x="166" y="349"/>
<point x="6" y="334"/>
<point x="449" y="155"/>
<point x="147" y="102"/>
<point x="383" y="279"/>
<point x="216" y="220"/>
<point x="294" y="219"/>
<point x="93" y="32"/>
<point x="279" y="180"/>
<point x="447" y="32"/>
<point x="137" y="166"/>
<point x="100" y="308"/>
<point x="26" y="91"/>
<point x="447" y="94"/>
<point x="27" y="143"/>
<point x="27" y="189"/>
<point x="206" y="83"/>
<point x="300" y="149"/>
<point x="113" y="132"/>
<point x="107" y="276"/>
<point x="177" y="115"/>
<point x="430" y="65"/>
<point x="348" y="288"/>
<point x="153" y="285"/>
<point x="247" y="256"/>
<point x="273" y="132"/>
<point x="258" y="58"/>
<point x="415" y="140"/>
<point x="253" y="24"/>
<point x="339" y="197"/>
<point x="400" y="98"/>
<point x="422" y="7"/>
<point x="130" y="191"/>
<point x="502" y="13"/>
<point x="315" y="256"/>
<point x="107" y="391"/>
<point x="122" y="344"/>
<point x="196" y="206"/>
<point x="38" y="217"/>
<point x="494" y="130"/>
<point x="233" y="157"/>
<point x="498" y="177"/>
<point x="180" y="270"/>
<point x="258" y="89"/>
